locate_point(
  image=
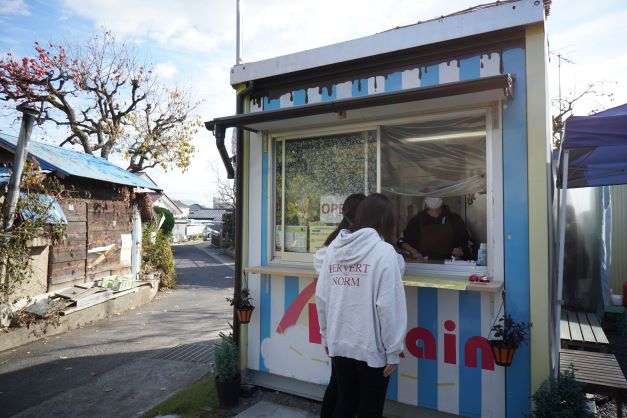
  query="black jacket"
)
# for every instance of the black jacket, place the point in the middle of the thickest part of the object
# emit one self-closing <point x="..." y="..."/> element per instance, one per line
<point x="460" y="237"/>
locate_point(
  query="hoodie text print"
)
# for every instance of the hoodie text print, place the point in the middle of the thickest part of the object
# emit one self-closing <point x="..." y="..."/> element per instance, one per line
<point x="360" y="298"/>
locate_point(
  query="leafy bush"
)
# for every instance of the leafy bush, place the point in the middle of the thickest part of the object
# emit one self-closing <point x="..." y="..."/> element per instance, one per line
<point x="511" y="333"/>
<point x="157" y="256"/>
<point x="241" y="300"/>
<point x="225" y="359"/>
<point x="561" y="398"/>
<point x="32" y="219"/>
<point x="168" y="224"/>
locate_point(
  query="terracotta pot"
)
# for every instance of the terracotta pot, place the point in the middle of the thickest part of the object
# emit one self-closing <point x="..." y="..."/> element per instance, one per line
<point x="503" y="354"/>
<point x="244" y="314"/>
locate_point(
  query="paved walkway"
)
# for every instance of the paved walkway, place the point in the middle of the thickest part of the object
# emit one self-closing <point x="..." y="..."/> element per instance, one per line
<point x="265" y="409"/>
<point x="121" y="365"/>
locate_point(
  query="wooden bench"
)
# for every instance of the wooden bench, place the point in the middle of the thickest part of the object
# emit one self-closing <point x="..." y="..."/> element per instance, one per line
<point x="598" y="373"/>
<point x="581" y="330"/>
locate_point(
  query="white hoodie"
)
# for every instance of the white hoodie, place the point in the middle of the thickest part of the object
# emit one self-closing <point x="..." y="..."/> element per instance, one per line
<point x="360" y="298"/>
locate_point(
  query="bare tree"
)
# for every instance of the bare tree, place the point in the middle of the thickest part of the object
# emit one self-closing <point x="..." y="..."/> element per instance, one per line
<point x="225" y="188"/>
<point x="96" y="91"/>
<point x="597" y="93"/>
<point x="162" y="131"/>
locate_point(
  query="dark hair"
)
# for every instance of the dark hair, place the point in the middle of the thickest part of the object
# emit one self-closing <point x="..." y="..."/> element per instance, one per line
<point x="377" y="212"/>
<point x="349" y="208"/>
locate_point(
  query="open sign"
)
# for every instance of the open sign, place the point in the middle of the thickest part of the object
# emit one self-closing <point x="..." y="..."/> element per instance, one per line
<point x="331" y="208"/>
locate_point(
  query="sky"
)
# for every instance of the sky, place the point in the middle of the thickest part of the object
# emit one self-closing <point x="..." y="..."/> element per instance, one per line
<point x="191" y="44"/>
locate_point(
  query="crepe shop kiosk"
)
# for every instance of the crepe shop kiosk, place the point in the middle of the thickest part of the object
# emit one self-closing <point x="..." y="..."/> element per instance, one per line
<point x="454" y="107"/>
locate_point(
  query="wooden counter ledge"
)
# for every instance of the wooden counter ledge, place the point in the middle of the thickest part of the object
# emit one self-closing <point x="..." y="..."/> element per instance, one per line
<point x="452" y="283"/>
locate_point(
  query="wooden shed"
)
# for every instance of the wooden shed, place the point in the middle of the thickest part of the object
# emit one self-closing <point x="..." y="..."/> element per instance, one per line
<point x="103" y="235"/>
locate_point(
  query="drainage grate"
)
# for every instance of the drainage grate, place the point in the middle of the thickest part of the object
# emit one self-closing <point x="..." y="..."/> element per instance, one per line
<point x="192" y="353"/>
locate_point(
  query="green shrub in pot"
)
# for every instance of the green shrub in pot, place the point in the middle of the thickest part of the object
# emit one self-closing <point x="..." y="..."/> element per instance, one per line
<point x="226" y="371"/>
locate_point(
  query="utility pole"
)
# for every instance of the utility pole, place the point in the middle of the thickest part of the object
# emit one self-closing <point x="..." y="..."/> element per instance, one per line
<point x="21" y="151"/>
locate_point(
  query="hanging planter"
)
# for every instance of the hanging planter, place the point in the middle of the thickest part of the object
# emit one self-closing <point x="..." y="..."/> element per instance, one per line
<point x="244" y="314"/>
<point x="244" y="308"/>
<point x="509" y="335"/>
<point x="503" y="355"/>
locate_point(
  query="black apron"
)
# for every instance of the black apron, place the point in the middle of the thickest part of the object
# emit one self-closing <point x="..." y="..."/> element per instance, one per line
<point x="437" y="240"/>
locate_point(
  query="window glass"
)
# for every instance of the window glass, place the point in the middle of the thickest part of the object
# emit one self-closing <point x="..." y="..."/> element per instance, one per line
<point x="319" y="172"/>
<point x="444" y="159"/>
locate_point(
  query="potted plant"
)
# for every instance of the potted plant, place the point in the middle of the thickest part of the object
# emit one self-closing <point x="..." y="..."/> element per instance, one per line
<point x="508" y="335"/>
<point x="226" y="371"/>
<point x="241" y="301"/>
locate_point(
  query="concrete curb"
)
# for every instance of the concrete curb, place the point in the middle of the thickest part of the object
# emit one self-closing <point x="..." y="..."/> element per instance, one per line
<point x="41" y="329"/>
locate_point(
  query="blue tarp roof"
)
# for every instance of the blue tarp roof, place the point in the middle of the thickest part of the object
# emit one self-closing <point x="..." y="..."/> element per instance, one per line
<point x="54" y="214"/>
<point x="597" y="147"/>
<point x="5" y="175"/>
<point x="74" y="163"/>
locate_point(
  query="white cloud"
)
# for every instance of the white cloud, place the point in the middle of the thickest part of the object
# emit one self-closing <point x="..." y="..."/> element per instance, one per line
<point x="197" y="38"/>
<point x="292" y="355"/>
<point x="13" y="7"/>
<point x="192" y="26"/>
<point x="166" y="70"/>
<point x="591" y="37"/>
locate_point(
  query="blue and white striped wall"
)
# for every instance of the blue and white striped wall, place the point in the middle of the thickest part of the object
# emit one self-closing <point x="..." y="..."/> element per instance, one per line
<point x="435" y="384"/>
<point x="482" y="65"/>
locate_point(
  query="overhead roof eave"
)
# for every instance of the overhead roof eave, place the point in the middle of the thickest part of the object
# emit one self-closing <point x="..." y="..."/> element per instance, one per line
<point x="256" y="121"/>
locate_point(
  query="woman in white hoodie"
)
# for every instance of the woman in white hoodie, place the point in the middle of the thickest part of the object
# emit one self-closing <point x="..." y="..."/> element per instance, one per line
<point x="349" y="209"/>
<point x="361" y="308"/>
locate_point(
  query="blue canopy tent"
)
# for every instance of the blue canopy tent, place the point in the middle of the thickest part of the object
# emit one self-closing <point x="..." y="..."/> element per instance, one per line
<point x="596" y="149"/>
<point x="593" y="154"/>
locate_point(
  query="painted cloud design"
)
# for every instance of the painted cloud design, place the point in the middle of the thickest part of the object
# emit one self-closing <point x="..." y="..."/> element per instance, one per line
<point x="292" y="355"/>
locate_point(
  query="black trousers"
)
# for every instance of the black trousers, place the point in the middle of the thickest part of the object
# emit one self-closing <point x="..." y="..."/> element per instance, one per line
<point x="329" y="402"/>
<point x="361" y="389"/>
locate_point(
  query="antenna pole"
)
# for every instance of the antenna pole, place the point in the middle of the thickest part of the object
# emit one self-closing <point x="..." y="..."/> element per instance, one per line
<point x="238" y="47"/>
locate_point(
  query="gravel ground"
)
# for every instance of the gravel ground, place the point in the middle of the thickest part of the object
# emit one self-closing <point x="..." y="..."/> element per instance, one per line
<point x="606" y="408"/>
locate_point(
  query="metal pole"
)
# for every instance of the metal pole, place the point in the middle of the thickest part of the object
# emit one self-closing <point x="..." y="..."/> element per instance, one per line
<point x="28" y="118"/>
<point x="238" y="47"/>
<point x="560" y="256"/>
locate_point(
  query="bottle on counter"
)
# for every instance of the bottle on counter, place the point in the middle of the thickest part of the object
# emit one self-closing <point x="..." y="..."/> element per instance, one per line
<point x="482" y="255"/>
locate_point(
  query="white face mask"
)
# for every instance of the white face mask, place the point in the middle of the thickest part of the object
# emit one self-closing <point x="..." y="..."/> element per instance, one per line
<point x="433" y="202"/>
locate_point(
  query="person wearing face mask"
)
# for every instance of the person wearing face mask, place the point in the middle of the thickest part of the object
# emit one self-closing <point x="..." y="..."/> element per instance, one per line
<point x="436" y="233"/>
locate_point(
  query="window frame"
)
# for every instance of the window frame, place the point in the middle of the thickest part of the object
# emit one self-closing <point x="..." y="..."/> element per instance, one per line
<point x="294" y="257"/>
<point x="494" y="186"/>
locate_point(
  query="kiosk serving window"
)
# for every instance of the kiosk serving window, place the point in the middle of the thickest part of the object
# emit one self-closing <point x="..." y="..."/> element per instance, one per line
<point x="313" y="176"/>
<point x="446" y="159"/>
<point x="448" y="156"/>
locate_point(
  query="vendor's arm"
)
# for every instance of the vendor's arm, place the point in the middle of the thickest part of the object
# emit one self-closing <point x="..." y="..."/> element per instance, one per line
<point x="411" y="237"/>
<point x="461" y="238"/>
<point x="415" y="254"/>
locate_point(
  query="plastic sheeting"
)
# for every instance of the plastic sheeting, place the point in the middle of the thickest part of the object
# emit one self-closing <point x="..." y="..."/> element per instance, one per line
<point x="435" y="158"/>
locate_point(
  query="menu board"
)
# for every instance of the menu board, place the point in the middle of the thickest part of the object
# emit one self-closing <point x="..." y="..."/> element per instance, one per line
<point x="296" y="238"/>
<point x="318" y="235"/>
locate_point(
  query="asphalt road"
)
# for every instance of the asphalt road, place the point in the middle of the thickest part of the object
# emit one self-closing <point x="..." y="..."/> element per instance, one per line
<point x="108" y="368"/>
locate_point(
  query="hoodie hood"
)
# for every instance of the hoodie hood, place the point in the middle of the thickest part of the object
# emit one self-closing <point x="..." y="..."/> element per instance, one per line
<point x="352" y="247"/>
